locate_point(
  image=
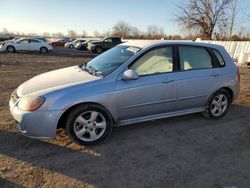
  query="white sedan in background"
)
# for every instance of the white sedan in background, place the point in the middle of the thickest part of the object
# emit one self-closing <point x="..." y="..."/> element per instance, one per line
<point x="26" y="44"/>
<point x="72" y="44"/>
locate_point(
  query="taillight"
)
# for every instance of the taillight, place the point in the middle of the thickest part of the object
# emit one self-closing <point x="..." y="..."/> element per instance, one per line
<point x="238" y="73"/>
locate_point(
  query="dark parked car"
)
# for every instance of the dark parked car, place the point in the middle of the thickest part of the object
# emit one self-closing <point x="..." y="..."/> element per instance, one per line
<point x="104" y="44"/>
<point x="60" y="42"/>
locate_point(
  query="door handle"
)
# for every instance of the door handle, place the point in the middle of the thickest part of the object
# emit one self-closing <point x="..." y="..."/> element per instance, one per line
<point x="167" y="81"/>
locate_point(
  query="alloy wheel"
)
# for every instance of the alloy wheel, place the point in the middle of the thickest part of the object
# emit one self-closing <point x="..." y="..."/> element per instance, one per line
<point x="90" y="126"/>
<point x="219" y="104"/>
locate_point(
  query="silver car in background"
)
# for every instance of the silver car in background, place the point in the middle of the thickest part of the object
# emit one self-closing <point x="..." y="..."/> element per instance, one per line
<point x="133" y="82"/>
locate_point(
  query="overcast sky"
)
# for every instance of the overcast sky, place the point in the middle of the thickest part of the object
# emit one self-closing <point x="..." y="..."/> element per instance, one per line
<point x="61" y="15"/>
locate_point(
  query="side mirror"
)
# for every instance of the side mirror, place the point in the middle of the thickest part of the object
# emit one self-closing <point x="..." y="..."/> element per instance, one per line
<point x="130" y="75"/>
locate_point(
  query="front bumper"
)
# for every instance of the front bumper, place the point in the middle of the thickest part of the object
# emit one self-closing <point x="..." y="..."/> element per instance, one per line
<point x="2" y="48"/>
<point x="91" y="47"/>
<point x="36" y="124"/>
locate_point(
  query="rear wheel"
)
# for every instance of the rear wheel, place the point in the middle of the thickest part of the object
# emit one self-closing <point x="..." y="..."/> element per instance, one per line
<point x="88" y="124"/>
<point x="10" y="49"/>
<point x="43" y="50"/>
<point x="218" y="105"/>
<point x="98" y="49"/>
<point x="71" y="46"/>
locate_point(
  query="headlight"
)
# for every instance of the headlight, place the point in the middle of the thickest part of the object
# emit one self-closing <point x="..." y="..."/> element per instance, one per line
<point x="31" y="103"/>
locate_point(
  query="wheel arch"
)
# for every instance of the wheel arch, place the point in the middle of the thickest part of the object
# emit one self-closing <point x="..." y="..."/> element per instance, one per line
<point x="61" y="122"/>
<point x="230" y="92"/>
<point x="44" y="47"/>
<point x="99" y="46"/>
<point x="11" y="46"/>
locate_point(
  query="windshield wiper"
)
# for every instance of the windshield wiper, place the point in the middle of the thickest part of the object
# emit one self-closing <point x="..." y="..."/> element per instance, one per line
<point x="95" y="72"/>
<point x="91" y="70"/>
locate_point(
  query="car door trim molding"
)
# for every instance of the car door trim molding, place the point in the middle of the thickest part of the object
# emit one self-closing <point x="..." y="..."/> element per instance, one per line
<point x="148" y="103"/>
<point x="192" y="97"/>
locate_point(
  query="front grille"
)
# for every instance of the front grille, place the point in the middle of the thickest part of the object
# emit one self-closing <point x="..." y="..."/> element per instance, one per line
<point x="14" y="96"/>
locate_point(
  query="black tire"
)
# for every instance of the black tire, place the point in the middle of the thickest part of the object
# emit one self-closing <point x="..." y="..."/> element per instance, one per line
<point x="99" y="49"/>
<point x="71" y="46"/>
<point x="11" y="49"/>
<point x="44" y="50"/>
<point x="76" y="112"/>
<point x="211" y="107"/>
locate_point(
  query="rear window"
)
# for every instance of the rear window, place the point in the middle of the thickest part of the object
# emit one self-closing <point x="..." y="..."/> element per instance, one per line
<point x="219" y="58"/>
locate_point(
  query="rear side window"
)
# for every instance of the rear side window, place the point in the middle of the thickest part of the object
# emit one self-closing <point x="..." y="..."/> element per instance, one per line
<point x="219" y="58"/>
<point x="34" y="41"/>
<point x="116" y="39"/>
<point x="194" y="58"/>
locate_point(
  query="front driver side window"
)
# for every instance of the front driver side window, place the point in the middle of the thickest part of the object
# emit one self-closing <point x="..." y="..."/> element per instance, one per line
<point x="108" y="40"/>
<point x="155" y="62"/>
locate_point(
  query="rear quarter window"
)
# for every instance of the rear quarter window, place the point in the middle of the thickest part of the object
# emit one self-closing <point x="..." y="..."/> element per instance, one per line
<point x="219" y="58"/>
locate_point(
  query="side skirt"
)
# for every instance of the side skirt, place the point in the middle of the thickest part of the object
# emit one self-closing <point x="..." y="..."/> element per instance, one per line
<point x="158" y="116"/>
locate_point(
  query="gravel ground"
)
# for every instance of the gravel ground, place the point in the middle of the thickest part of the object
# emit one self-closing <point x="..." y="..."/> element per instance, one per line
<point x="186" y="151"/>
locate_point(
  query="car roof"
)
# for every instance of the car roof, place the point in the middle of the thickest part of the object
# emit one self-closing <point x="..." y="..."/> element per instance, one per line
<point x="146" y="43"/>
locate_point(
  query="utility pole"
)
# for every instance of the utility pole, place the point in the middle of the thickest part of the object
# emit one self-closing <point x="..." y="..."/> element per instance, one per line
<point x="233" y="16"/>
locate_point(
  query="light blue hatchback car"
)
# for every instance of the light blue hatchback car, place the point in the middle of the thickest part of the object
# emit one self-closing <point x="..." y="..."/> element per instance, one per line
<point x="131" y="83"/>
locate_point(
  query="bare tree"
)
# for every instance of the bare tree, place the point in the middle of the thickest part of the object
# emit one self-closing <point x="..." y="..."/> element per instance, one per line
<point x="106" y="33"/>
<point x="155" y="32"/>
<point x="204" y="15"/>
<point x="46" y="34"/>
<point x="58" y="34"/>
<point x="84" y="34"/>
<point x="135" y="33"/>
<point x="72" y="33"/>
<point x="5" y="31"/>
<point x="96" y="34"/>
<point x="122" y="29"/>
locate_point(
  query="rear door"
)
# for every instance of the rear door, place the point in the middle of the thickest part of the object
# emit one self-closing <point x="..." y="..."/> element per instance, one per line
<point x="196" y="80"/>
<point x="34" y="45"/>
<point x="116" y="41"/>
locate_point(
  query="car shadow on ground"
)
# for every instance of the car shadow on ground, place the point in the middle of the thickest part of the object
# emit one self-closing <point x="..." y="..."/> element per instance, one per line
<point x="8" y="184"/>
<point x="186" y="151"/>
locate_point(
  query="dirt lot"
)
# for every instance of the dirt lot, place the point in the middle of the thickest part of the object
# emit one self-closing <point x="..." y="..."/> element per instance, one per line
<point x="187" y="151"/>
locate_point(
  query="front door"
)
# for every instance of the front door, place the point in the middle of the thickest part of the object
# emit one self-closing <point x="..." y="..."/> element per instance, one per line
<point x="22" y="45"/>
<point x="107" y="43"/>
<point x="154" y="92"/>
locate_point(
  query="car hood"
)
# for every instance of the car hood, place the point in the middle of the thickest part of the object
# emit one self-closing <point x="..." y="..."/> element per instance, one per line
<point x="56" y="79"/>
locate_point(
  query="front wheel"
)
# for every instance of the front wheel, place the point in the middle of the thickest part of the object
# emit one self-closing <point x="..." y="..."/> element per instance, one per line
<point x="218" y="105"/>
<point x="88" y="124"/>
<point x="10" y="49"/>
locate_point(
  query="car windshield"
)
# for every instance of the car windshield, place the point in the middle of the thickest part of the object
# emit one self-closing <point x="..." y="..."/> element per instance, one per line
<point x="109" y="61"/>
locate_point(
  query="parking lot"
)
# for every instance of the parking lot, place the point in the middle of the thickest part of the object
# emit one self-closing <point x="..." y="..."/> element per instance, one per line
<point x="61" y="51"/>
<point x="187" y="151"/>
